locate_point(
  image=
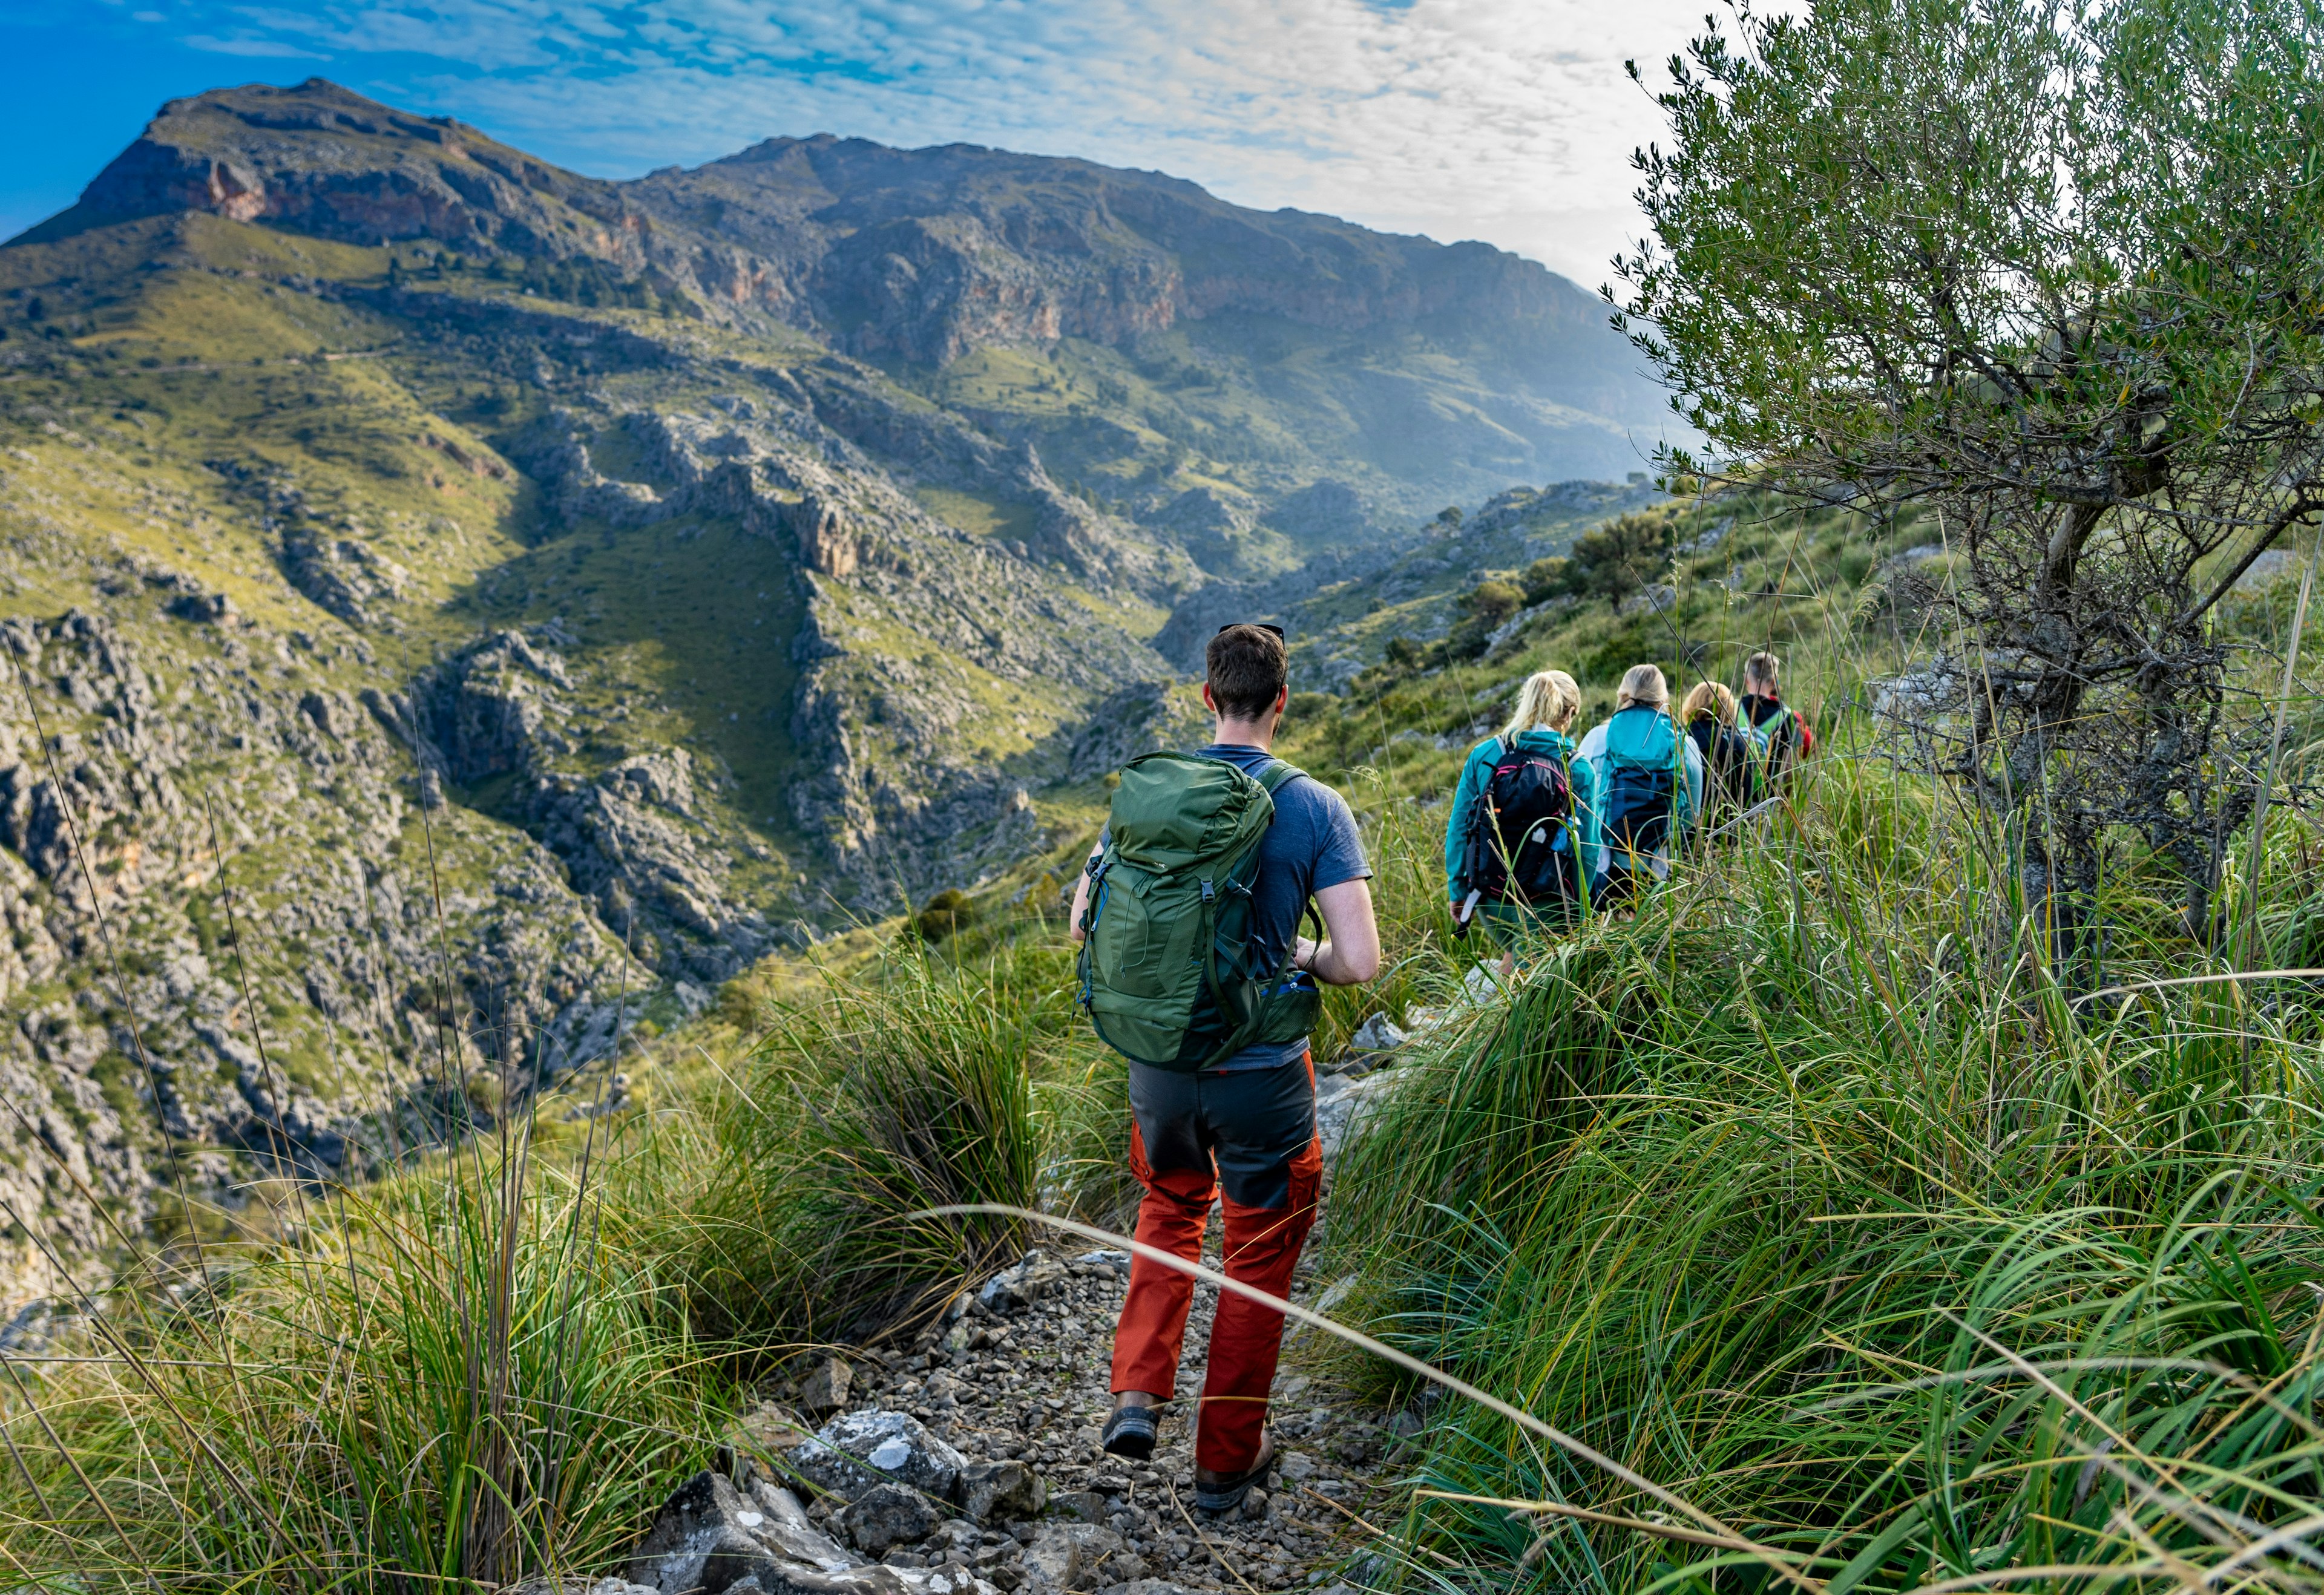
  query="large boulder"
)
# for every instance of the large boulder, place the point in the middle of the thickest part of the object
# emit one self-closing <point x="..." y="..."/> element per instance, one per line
<point x="713" y="1538"/>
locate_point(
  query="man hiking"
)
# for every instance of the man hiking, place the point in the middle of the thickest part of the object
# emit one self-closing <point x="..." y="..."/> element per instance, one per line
<point x="1193" y="966"/>
<point x="1778" y="734"/>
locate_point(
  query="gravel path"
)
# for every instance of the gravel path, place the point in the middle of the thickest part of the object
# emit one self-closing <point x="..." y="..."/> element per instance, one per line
<point x="1018" y="1373"/>
<point x="1031" y="1384"/>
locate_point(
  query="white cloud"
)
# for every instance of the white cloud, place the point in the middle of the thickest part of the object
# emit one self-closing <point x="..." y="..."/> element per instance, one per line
<point x="1506" y="120"/>
<point x="268" y="48"/>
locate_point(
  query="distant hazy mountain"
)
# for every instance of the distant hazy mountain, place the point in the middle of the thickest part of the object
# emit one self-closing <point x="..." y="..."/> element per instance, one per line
<point x="1259" y="342"/>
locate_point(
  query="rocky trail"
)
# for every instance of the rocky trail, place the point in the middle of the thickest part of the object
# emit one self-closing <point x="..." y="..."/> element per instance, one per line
<point x="970" y="1465"/>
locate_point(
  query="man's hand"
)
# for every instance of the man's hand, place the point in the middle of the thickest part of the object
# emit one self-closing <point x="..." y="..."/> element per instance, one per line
<point x="1349" y="953"/>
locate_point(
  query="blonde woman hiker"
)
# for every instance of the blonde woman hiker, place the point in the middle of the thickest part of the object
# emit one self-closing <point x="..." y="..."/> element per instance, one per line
<point x="1512" y="854"/>
<point x="1709" y="716"/>
<point x="1648" y="784"/>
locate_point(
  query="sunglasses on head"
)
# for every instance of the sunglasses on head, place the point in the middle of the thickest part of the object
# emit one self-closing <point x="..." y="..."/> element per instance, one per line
<point x="1262" y="625"/>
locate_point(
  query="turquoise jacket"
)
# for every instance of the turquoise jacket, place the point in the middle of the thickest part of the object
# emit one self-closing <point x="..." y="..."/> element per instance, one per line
<point x="1640" y="735"/>
<point x="1478" y="774"/>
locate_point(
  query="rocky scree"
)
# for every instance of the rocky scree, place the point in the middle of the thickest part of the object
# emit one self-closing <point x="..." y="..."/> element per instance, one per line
<point x="149" y="727"/>
<point x="990" y="1424"/>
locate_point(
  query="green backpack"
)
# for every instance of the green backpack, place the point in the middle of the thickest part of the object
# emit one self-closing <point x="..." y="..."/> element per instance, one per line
<point x="1167" y="965"/>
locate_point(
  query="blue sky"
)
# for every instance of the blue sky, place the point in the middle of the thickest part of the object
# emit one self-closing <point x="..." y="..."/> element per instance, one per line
<point x="1504" y="120"/>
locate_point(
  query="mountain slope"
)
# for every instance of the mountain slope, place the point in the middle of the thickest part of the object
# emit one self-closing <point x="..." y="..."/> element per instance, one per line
<point x="437" y="660"/>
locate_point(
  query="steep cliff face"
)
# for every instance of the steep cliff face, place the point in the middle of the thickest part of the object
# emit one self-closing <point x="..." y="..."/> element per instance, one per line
<point x="234" y="941"/>
<point x="329" y="163"/>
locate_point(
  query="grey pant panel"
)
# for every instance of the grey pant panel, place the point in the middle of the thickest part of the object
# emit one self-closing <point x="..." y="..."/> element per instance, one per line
<point x="1250" y="1122"/>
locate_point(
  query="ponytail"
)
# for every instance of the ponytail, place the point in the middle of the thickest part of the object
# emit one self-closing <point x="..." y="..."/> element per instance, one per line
<point x="1548" y="701"/>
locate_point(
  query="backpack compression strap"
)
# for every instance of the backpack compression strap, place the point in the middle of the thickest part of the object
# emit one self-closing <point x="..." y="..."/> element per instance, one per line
<point x="1277" y="774"/>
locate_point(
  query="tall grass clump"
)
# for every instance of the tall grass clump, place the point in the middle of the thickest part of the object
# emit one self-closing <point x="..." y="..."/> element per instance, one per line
<point x="1812" y="1194"/>
<point x="448" y="1379"/>
<point x="898" y="1087"/>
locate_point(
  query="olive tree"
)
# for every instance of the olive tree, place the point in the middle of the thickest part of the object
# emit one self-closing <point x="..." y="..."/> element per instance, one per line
<point x="2051" y="276"/>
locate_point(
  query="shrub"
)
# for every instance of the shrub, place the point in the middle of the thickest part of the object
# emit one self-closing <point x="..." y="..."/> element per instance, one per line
<point x="1546" y="578"/>
<point x="906" y="1087"/>
<point x="1621" y="556"/>
<point x="1484" y="608"/>
<point x="948" y="912"/>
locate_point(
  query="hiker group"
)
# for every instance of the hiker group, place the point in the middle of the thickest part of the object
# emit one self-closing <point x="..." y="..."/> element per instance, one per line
<point x="1544" y="830"/>
<point x="1189" y="912"/>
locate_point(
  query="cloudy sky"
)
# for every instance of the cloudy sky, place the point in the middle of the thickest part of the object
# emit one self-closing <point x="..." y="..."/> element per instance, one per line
<point x="1504" y="120"/>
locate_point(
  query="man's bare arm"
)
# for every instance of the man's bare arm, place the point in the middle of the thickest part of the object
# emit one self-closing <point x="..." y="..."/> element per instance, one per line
<point x="1350" y="953"/>
<point x="1081" y="895"/>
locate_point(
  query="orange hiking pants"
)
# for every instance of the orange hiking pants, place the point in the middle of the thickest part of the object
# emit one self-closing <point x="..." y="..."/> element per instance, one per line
<point x="1253" y="1132"/>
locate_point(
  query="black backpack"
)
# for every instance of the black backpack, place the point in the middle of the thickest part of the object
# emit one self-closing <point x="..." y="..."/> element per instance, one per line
<point x="1636" y="806"/>
<point x="1513" y="828"/>
<point x="1727" y="759"/>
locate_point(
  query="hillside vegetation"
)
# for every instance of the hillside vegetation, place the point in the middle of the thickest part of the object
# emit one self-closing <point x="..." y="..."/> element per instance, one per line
<point x="1916" y="1195"/>
<point x="1809" y="1194"/>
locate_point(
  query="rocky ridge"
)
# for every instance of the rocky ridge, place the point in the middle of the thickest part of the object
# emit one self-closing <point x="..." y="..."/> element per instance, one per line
<point x="884" y="726"/>
<point x="926" y="253"/>
<point x="927" y="257"/>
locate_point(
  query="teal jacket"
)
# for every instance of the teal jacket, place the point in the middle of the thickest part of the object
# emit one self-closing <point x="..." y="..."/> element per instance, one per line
<point x="1639" y="735"/>
<point x="1477" y="774"/>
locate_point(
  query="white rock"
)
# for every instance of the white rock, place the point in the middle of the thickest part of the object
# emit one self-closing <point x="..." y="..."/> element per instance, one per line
<point x="1338" y="1112"/>
<point x="857" y="1450"/>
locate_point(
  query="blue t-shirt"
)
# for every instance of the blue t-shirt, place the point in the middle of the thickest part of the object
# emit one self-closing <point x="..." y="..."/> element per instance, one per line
<point x="1312" y="843"/>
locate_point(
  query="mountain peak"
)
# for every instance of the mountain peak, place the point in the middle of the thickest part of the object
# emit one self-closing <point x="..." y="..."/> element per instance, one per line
<point x="920" y="255"/>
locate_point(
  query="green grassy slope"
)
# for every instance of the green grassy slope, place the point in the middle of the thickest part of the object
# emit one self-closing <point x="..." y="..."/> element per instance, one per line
<point x="1806" y="1194"/>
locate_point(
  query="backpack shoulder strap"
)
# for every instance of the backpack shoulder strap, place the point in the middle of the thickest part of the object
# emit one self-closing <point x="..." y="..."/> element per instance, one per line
<point x="1277" y="773"/>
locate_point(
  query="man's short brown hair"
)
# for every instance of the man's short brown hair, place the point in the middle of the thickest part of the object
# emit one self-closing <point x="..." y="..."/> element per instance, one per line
<point x="1247" y="668"/>
<point x="1765" y="669"/>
